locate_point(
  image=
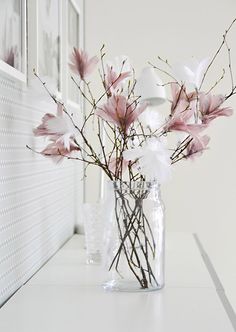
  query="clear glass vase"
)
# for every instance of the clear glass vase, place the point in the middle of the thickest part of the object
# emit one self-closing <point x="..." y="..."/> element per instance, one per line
<point x="134" y="237"/>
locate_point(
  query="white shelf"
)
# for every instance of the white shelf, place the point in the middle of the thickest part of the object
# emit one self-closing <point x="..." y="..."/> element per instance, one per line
<point x="65" y="295"/>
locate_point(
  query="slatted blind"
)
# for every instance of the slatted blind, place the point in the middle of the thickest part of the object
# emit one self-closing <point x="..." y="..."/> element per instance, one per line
<point x="37" y="197"/>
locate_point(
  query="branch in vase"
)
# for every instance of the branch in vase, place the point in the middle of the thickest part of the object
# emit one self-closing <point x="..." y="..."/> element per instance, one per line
<point x="217" y="52"/>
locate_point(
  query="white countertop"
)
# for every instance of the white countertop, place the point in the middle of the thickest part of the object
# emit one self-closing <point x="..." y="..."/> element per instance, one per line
<point x="66" y="295"/>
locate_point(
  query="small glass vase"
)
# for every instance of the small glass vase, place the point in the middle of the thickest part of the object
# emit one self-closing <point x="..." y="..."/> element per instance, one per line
<point x="134" y="238"/>
<point x="93" y="228"/>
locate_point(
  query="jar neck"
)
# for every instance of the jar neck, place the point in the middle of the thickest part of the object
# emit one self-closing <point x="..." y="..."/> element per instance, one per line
<point x="135" y="185"/>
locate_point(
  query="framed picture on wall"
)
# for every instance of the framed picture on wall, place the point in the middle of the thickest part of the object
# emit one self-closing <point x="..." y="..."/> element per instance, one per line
<point x="74" y="40"/>
<point x="49" y="41"/>
<point x="13" y="38"/>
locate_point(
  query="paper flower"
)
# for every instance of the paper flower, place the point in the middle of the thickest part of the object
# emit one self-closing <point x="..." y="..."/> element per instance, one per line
<point x="183" y="109"/>
<point x="57" y="128"/>
<point x="192" y="72"/>
<point x="152" y="160"/>
<point x="179" y="121"/>
<point x="182" y="100"/>
<point x="113" y="79"/>
<point x="210" y="107"/>
<point x="197" y="146"/>
<point x="121" y="111"/>
<point x="151" y="119"/>
<point x="57" y="150"/>
<point x="81" y="64"/>
<point x="117" y="72"/>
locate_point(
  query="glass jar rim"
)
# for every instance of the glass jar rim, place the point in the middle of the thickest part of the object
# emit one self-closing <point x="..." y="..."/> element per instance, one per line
<point x="134" y="185"/>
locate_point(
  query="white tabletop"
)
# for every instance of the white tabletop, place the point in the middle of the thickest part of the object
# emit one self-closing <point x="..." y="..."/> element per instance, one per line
<point x="66" y="295"/>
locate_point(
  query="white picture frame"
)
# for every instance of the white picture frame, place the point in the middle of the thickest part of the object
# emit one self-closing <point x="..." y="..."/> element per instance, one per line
<point x="19" y="74"/>
<point x="74" y="39"/>
<point x="35" y="44"/>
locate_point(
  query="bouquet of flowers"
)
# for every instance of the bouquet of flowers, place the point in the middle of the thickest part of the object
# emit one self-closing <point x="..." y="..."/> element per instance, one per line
<point x="135" y="137"/>
<point x="132" y="145"/>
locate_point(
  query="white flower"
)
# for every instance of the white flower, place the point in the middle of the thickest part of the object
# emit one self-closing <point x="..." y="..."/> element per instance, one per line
<point x="151" y="118"/>
<point x="192" y="72"/>
<point x="64" y="128"/>
<point x="120" y="62"/>
<point x="58" y="128"/>
<point x="153" y="160"/>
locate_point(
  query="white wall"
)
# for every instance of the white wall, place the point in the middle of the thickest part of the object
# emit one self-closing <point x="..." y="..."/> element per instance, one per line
<point x="201" y="196"/>
<point x="38" y="199"/>
<point x="37" y="211"/>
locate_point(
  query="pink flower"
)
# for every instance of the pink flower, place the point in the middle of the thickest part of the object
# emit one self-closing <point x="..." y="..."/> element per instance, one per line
<point x="210" y="107"/>
<point x="113" y="79"/>
<point x="182" y="110"/>
<point x="57" y="127"/>
<point x="117" y="166"/>
<point x="42" y="129"/>
<point x="81" y="64"/>
<point x="180" y="98"/>
<point x="197" y="146"/>
<point x="58" y="151"/>
<point x="179" y="121"/>
<point x="120" y="111"/>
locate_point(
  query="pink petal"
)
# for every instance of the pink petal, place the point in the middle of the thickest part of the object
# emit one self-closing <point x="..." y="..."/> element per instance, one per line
<point x="91" y="64"/>
<point x="216" y="101"/>
<point x="210" y="107"/>
<point x="115" y="165"/>
<point x="113" y="79"/>
<point x="134" y="114"/>
<point x="120" y="104"/>
<point x="179" y="125"/>
<point x="57" y="150"/>
<point x="197" y="146"/>
<point x="81" y="64"/>
<point x="104" y="114"/>
<point x="141" y="108"/>
<point x="195" y="129"/>
<point x="226" y="111"/>
<point x="42" y="129"/>
<point x="120" y="111"/>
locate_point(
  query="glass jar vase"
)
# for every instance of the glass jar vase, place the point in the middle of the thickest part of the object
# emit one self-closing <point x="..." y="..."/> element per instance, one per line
<point x="134" y="237"/>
